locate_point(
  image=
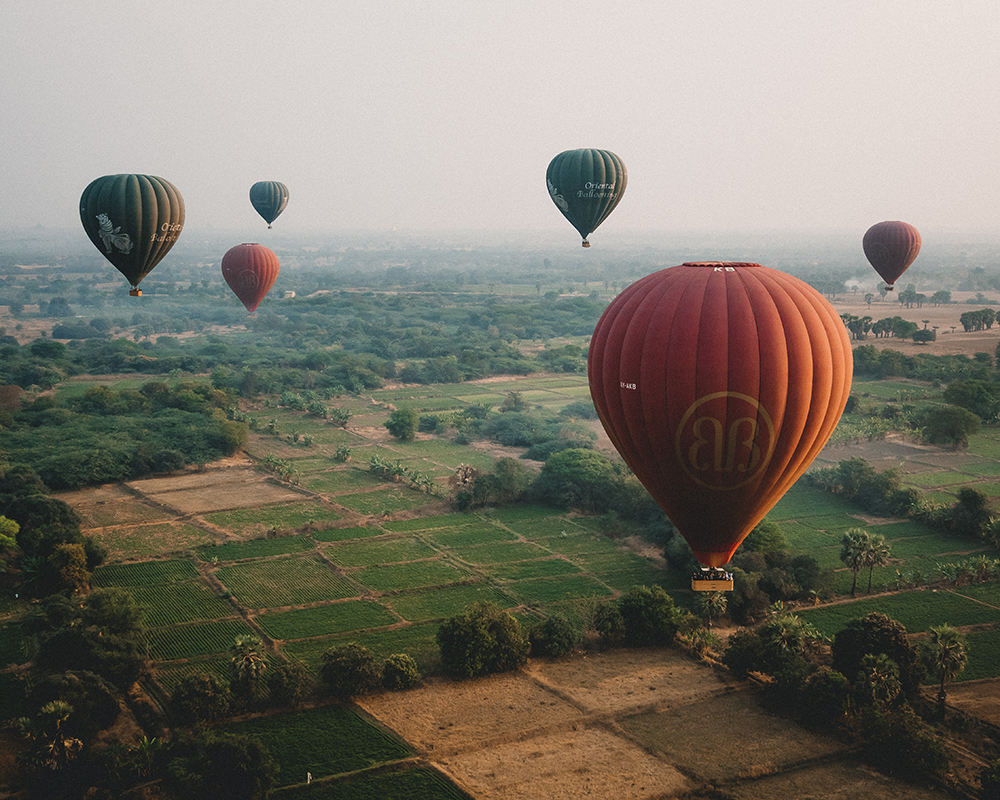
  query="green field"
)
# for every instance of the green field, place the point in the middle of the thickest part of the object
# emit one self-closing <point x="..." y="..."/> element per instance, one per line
<point x="325" y="620"/>
<point x="322" y="741"/>
<point x="281" y="582"/>
<point x="422" y="783"/>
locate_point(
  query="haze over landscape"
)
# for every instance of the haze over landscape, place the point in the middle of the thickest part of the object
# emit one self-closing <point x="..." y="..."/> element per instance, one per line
<point x="768" y="116"/>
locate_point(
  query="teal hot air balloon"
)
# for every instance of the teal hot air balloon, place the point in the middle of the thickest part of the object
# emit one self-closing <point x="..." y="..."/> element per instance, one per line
<point x="133" y="220"/>
<point x="269" y="198"/>
<point x="586" y="185"/>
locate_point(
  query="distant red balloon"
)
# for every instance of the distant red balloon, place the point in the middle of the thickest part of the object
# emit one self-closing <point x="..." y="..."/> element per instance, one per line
<point x="719" y="383"/>
<point x="891" y="248"/>
<point x="250" y="270"/>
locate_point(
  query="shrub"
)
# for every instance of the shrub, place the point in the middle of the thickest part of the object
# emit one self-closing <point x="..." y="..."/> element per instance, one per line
<point x="825" y="697"/>
<point x="400" y="672"/>
<point x="896" y="743"/>
<point x="873" y="634"/>
<point x="483" y="640"/>
<point x="744" y="653"/>
<point x="649" y="615"/>
<point x="609" y="624"/>
<point x="202" y="697"/>
<point x="350" y="669"/>
<point x="554" y="637"/>
<point x="287" y="683"/>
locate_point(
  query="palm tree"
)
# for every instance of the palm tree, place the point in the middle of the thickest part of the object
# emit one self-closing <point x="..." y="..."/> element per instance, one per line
<point x="944" y="654"/>
<point x="852" y="552"/>
<point x="877" y="552"/>
<point x="713" y="604"/>
<point x="878" y="679"/>
<point x="248" y="662"/>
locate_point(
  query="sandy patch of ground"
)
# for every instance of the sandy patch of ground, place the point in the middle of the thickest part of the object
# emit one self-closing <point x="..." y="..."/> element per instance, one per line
<point x="215" y="490"/>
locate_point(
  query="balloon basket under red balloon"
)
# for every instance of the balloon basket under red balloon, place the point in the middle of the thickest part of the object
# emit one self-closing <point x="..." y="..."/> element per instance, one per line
<point x="712" y="580"/>
<point x="584" y="243"/>
<point x="135" y="292"/>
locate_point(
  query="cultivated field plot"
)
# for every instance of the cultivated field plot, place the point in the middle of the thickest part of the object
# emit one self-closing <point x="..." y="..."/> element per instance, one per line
<point x="385" y="501"/>
<point x="420" y="783"/>
<point x="349" y="479"/>
<point x="255" y="522"/>
<point x="255" y="548"/>
<point x="125" y="511"/>
<point x="196" y="638"/>
<point x="232" y="488"/>
<point x="139" y="541"/>
<point x="325" y="620"/>
<point x="144" y="573"/>
<point x="417" y="641"/>
<point x="323" y="741"/>
<point x="275" y="583"/>
<point x="397" y="577"/>
<point x="173" y="603"/>
<point x="439" y="604"/>
<point x="380" y="551"/>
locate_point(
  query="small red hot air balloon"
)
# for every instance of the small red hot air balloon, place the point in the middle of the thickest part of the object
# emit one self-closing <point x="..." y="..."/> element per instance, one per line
<point x="719" y="383"/>
<point x="891" y="247"/>
<point x="250" y="270"/>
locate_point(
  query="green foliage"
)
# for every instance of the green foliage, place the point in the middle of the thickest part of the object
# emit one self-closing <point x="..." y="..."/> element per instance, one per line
<point x="201" y="697"/>
<point x="287" y="683"/>
<point x="94" y="701"/>
<point x="350" y="669"/>
<point x="402" y="424"/>
<point x="873" y="634"/>
<point x="744" y="653"/>
<point x="400" y="672"/>
<point x="896" y="743"/>
<point x="220" y="765"/>
<point x="649" y="616"/>
<point x="950" y="425"/>
<point x="483" y="640"/>
<point x="555" y="636"/>
<point x="989" y="781"/>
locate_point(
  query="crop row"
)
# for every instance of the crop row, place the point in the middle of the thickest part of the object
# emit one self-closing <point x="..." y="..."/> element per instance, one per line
<point x="285" y="582"/>
<point x="196" y="639"/>
<point x="145" y="573"/>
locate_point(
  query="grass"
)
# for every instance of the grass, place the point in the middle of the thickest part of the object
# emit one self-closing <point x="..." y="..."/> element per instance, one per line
<point x="285" y="582"/>
<point x="255" y="548"/>
<point x="325" y="620"/>
<point x="347" y="534"/>
<point x="342" y="480"/>
<point x="128" y="512"/>
<point x="501" y="553"/>
<point x="470" y="535"/>
<point x="539" y="568"/>
<point x="983" y="649"/>
<point x="431" y="523"/>
<point x="144" y="573"/>
<point x="330" y="740"/>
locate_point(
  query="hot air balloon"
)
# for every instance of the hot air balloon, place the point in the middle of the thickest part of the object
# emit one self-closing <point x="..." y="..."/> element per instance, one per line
<point x="719" y="383"/>
<point x="133" y="220"/>
<point x="269" y="198"/>
<point x="250" y="270"/>
<point x="586" y="185"/>
<point x="891" y="247"/>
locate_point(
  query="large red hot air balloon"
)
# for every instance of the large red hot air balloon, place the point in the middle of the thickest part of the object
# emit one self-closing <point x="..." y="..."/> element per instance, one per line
<point x="250" y="270"/>
<point x="891" y="247"/>
<point x="719" y="383"/>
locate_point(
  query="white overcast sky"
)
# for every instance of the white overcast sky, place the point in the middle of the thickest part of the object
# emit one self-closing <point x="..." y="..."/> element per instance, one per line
<point x="729" y="114"/>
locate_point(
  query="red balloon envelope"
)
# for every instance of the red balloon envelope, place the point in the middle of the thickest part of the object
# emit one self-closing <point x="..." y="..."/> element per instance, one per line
<point x="250" y="270"/>
<point x="719" y="383"/>
<point x="891" y="247"/>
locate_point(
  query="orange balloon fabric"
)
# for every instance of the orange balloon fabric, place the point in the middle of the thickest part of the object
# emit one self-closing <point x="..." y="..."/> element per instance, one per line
<point x="891" y="247"/>
<point x="250" y="270"/>
<point x="719" y="383"/>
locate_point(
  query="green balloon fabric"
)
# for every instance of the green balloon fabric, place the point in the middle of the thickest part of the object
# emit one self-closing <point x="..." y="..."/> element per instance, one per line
<point x="269" y="198"/>
<point x="586" y="185"/>
<point x="133" y="220"/>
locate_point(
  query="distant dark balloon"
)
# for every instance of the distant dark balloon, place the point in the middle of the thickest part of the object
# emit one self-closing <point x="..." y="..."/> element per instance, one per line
<point x="586" y="185"/>
<point x="133" y="220"/>
<point x="891" y="247"/>
<point x="269" y="198"/>
<point x="250" y="270"/>
<point x="719" y="383"/>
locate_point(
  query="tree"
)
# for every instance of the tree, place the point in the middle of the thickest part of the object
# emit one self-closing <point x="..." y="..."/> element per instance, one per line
<point x="400" y="672"/>
<point x="944" y="655"/>
<point x="219" y="765"/>
<point x="649" y="615"/>
<point x="202" y="697"/>
<point x="287" y="683"/>
<point x="872" y="634"/>
<point x="248" y="662"/>
<point x="350" y="669"/>
<point x="484" y="639"/>
<point x="50" y="745"/>
<point x="513" y="402"/>
<point x="94" y="701"/>
<point x="852" y="552"/>
<point x="555" y="636"/>
<point x="403" y="424"/>
<point x="67" y="567"/>
<point x="950" y="425"/>
<point x="877" y="681"/>
<point x="877" y="552"/>
<point x="712" y="604"/>
<point x="575" y="477"/>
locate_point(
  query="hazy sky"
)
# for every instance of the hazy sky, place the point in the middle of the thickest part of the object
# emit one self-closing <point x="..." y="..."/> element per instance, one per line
<point x="729" y="114"/>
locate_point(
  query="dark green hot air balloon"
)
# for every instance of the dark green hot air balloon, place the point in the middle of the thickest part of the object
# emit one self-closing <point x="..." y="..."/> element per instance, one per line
<point x="133" y="220"/>
<point x="586" y="185"/>
<point x="269" y="198"/>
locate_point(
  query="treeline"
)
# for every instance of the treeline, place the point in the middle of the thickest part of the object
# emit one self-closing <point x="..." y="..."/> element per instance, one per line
<point x="104" y="435"/>
<point x="872" y="362"/>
